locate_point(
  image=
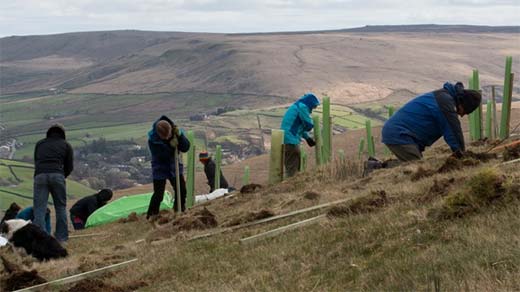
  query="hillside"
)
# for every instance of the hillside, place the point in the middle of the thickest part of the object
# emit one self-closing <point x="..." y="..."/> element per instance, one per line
<point x="415" y="227"/>
<point x="16" y="185"/>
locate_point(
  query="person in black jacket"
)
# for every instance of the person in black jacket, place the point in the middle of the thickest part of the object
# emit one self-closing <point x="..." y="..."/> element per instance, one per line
<point x="163" y="140"/>
<point x="209" y="170"/>
<point x="85" y="206"/>
<point x="53" y="159"/>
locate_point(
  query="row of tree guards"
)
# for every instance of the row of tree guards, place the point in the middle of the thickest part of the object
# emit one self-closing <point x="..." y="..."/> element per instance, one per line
<point x="323" y="136"/>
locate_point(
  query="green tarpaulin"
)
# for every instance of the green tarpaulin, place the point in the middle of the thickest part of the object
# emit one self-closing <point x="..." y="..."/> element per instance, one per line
<point x="124" y="206"/>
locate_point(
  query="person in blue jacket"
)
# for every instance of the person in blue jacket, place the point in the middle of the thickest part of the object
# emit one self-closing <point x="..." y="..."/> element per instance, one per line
<point x="28" y="214"/>
<point x="426" y="118"/>
<point x="297" y="123"/>
<point x="163" y="140"/>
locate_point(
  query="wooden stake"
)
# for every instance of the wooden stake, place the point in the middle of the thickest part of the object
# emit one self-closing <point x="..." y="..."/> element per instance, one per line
<point x="78" y="277"/>
<point x="87" y="235"/>
<point x="274" y="232"/>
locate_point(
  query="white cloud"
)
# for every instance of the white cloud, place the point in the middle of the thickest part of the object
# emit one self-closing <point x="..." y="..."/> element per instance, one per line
<point x="23" y="17"/>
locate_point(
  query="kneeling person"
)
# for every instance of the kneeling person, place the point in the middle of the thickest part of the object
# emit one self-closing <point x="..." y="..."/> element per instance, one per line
<point x="86" y="206"/>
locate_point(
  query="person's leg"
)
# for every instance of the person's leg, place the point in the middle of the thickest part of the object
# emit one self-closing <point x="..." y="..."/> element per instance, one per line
<point x="406" y="152"/>
<point x="40" y="198"/>
<point x="157" y="197"/>
<point x="183" y="193"/>
<point x="291" y="159"/>
<point x="77" y="223"/>
<point x="58" y="191"/>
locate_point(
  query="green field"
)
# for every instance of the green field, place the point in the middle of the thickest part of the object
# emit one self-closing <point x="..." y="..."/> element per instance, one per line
<point x="25" y="172"/>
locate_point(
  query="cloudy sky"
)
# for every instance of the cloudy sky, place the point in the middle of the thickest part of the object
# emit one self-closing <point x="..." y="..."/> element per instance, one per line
<point x="25" y="17"/>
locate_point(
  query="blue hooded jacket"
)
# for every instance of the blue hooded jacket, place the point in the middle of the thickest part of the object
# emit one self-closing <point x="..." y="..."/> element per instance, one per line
<point x="163" y="161"/>
<point x="297" y="121"/>
<point x="426" y="118"/>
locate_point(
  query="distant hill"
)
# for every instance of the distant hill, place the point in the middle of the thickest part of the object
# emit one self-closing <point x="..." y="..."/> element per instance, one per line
<point x="436" y="28"/>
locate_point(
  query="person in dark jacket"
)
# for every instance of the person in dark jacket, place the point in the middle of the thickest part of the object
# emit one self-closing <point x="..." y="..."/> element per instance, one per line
<point x="28" y="214"/>
<point x="209" y="170"/>
<point x="297" y="123"/>
<point x="424" y="119"/>
<point x="163" y="140"/>
<point x="85" y="206"/>
<point x="53" y="158"/>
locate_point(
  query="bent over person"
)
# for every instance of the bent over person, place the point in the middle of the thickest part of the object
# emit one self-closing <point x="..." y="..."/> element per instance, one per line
<point x="426" y="118"/>
<point x="297" y="123"/>
<point x="163" y="140"/>
<point x="83" y="208"/>
<point x="53" y="159"/>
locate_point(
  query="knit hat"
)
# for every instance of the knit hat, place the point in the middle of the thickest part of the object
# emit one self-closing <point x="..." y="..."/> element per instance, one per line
<point x="203" y="155"/>
<point x="163" y="129"/>
<point x="471" y="100"/>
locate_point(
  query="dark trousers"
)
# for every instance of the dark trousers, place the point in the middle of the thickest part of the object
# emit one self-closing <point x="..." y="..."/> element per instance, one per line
<point x="158" y="194"/>
<point x="291" y="159"/>
<point x="406" y="152"/>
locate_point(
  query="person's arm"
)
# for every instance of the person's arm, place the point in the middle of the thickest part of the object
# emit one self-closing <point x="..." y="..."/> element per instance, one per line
<point x="305" y="116"/>
<point x="69" y="161"/>
<point x="184" y="143"/>
<point x="449" y="122"/>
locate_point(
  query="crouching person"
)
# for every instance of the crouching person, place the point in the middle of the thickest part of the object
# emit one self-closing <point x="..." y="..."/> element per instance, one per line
<point x="83" y="208"/>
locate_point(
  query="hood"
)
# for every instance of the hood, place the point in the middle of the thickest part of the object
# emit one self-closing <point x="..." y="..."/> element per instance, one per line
<point x="56" y="130"/>
<point x="104" y="195"/>
<point x="310" y="100"/>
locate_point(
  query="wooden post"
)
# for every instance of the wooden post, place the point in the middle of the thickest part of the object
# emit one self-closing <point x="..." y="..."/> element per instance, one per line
<point x="245" y="179"/>
<point x="506" y="100"/>
<point x="390" y="114"/>
<point x="276" y="158"/>
<point x="190" y="184"/>
<point x="327" y="131"/>
<point x="370" y="141"/>
<point x="218" y="161"/>
<point x="318" y="139"/>
<point x="494" y="109"/>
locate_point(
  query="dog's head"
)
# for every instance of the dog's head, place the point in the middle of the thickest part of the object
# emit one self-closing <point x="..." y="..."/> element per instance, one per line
<point x="14" y="208"/>
<point x="9" y="227"/>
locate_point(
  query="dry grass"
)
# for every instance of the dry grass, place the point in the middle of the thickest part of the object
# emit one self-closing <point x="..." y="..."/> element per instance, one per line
<point x="397" y="247"/>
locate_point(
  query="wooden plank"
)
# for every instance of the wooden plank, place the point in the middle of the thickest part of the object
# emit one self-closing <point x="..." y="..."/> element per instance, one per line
<point x="265" y="220"/>
<point x="511" y="161"/>
<point x="280" y="230"/>
<point x="79" y="277"/>
<point x="88" y="235"/>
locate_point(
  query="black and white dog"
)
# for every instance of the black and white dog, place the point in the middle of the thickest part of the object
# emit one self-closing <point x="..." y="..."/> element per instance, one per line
<point x="33" y="239"/>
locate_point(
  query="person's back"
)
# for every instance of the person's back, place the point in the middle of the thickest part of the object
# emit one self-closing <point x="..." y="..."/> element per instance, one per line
<point x="210" y="169"/>
<point x="83" y="208"/>
<point x="28" y="214"/>
<point x="53" y="159"/>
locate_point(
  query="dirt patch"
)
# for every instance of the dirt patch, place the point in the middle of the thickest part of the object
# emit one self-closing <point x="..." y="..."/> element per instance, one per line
<point x="452" y="164"/>
<point x="484" y="157"/>
<point x="250" y="188"/>
<point x="91" y="285"/>
<point x="511" y="153"/>
<point x="131" y="218"/>
<point x="251" y="216"/>
<point x="310" y="195"/>
<point x="375" y="201"/>
<point x="202" y="219"/>
<point x="438" y="189"/>
<point x="421" y="173"/>
<point x="15" y="277"/>
<point x="163" y="220"/>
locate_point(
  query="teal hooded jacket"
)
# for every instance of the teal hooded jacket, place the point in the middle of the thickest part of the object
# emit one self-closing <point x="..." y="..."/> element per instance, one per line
<point x="297" y="121"/>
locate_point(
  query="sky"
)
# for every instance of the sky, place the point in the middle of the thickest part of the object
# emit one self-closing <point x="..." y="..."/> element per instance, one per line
<point x="30" y="17"/>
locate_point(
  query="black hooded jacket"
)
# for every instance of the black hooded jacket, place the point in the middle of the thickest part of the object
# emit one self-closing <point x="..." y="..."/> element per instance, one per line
<point x="210" y="169"/>
<point x="53" y="154"/>
<point x="87" y="205"/>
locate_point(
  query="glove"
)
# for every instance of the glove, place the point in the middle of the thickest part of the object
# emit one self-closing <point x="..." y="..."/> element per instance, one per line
<point x="310" y="142"/>
<point x="175" y="131"/>
<point x="174" y="141"/>
<point x="457" y="154"/>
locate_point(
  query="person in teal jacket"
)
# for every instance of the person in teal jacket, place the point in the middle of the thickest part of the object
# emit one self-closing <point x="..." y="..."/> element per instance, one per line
<point x="297" y="123"/>
<point x="28" y="214"/>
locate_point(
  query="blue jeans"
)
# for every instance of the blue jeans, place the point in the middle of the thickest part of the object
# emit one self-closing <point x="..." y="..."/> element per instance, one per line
<point x="55" y="184"/>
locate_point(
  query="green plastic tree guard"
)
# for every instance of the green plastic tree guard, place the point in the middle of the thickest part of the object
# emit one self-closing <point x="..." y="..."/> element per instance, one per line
<point x="391" y="110"/>
<point x="218" y="161"/>
<point x="276" y="159"/>
<point x="478" y="111"/>
<point x="245" y="179"/>
<point x="489" y="118"/>
<point x="318" y="139"/>
<point x="506" y="100"/>
<point x="190" y="191"/>
<point x="361" y="146"/>
<point x="370" y="141"/>
<point x="341" y="155"/>
<point x="327" y="131"/>
<point x="303" y="160"/>
<point x="471" y="116"/>
<point x="494" y="105"/>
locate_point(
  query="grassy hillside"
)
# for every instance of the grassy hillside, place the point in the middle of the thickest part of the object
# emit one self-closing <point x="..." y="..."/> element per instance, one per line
<point x="20" y="188"/>
<point x="433" y="224"/>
